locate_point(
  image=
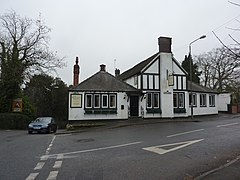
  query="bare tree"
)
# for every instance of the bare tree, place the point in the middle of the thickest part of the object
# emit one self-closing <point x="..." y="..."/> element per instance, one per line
<point x="24" y="50"/>
<point x="219" y="68"/>
<point x="26" y="41"/>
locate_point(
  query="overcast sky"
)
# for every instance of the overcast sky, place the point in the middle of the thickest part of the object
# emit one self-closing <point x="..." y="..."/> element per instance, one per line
<point x="99" y="31"/>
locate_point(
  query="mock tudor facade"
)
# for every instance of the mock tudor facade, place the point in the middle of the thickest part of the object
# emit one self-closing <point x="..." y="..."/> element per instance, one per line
<point x="155" y="88"/>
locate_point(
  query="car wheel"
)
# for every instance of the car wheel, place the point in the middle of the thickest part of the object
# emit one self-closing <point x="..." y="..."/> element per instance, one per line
<point x="29" y="132"/>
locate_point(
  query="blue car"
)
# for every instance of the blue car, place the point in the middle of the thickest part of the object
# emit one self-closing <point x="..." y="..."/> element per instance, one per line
<point x="42" y="125"/>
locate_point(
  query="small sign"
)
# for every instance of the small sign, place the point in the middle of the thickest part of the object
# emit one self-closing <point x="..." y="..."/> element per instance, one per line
<point x="76" y="100"/>
<point x="17" y="105"/>
<point x="170" y="80"/>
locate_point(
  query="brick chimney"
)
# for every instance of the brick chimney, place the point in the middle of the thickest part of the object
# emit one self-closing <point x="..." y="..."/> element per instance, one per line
<point x="76" y="73"/>
<point x="165" y="44"/>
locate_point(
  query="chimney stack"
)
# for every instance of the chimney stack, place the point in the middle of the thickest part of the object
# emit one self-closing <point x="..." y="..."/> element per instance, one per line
<point x="103" y="67"/>
<point x="165" y="44"/>
<point x="76" y="73"/>
<point x="117" y="72"/>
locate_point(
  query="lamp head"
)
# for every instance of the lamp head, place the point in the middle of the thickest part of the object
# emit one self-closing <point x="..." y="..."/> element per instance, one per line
<point x="202" y="37"/>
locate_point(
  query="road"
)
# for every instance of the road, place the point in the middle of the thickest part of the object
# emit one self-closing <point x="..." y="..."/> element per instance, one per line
<point x="172" y="150"/>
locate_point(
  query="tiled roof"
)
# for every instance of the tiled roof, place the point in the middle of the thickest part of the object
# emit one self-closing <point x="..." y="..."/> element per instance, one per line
<point x="103" y="81"/>
<point x="199" y="88"/>
<point x="137" y="68"/>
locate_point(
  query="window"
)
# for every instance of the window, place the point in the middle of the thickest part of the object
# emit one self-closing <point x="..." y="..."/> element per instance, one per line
<point x="175" y="100"/>
<point x="149" y="100"/>
<point x="203" y="100"/>
<point x="88" y="101"/>
<point x="212" y="100"/>
<point x="104" y="101"/>
<point x="178" y="100"/>
<point x="152" y="100"/>
<point x="181" y="100"/>
<point x="96" y="100"/>
<point x="112" y="101"/>
<point x="194" y="96"/>
<point x="155" y="100"/>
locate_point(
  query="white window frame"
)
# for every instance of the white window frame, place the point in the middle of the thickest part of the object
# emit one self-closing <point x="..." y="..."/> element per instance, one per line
<point x="86" y="102"/>
<point x="153" y="100"/>
<point x="212" y="100"/>
<point x="99" y="100"/>
<point x="115" y="101"/>
<point x="104" y="95"/>
<point x="176" y="94"/>
<point x="203" y="100"/>
<point x="149" y="95"/>
<point x="180" y="101"/>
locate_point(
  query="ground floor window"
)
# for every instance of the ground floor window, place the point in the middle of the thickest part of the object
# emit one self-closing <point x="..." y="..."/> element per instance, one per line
<point x="194" y="98"/>
<point x="153" y="102"/>
<point x="179" y="102"/>
<point x="100" y="103"/>
<point x="212" y="100"/>
<point x="203" y="102"/>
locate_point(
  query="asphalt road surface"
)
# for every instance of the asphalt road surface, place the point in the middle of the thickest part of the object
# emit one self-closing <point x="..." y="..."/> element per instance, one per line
<point x="173" y="150"/>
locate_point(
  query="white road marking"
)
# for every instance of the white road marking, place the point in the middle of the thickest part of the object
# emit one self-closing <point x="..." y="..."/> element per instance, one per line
<point x="44" y="158"/>
<point x="32" y="176"/>
<point x="39" y="165"/>
<point x="96" y="149"/>
<point x="159" y="150"/>
<point x="59" y="156"/>
<point x="57" y="164"/>
<point x="225" y="125"/>
<point x="50" y="145"/>
<point x="183" y="133"/>
<point x="52" y="175"/>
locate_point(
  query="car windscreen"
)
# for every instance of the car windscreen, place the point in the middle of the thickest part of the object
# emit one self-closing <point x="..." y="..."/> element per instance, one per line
<point x="43" y="120"/>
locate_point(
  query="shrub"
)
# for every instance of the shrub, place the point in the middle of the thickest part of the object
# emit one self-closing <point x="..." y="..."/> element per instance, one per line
<point x="14" y="121"/>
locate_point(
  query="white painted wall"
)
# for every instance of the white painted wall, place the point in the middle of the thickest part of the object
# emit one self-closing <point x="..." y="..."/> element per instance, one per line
<point x="166" y="91"/>
<point x="203" y="110"/>
<point x="153" y="69"/>
<point x="176" y="69"/>
<point x="223" y="100"/>
<point x="79" y="113"/>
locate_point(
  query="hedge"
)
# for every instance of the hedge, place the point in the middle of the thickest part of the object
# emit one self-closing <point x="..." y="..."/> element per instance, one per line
<point x="14" y="121"/>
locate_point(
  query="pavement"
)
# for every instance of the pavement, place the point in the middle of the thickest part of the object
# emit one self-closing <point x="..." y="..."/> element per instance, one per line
<point x="229" y="171"/>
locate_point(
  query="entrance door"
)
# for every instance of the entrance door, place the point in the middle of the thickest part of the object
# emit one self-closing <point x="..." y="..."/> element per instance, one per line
<point x="134" y="106"/>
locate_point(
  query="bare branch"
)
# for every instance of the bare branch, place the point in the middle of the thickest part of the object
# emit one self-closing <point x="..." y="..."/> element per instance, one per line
<point x="225" y="45"/>
<point x="234" y="39"/>
<point x="236" y="4"/>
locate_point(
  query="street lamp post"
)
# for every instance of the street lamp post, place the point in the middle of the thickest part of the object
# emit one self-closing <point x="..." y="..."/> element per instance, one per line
<point x="191" y="77"/>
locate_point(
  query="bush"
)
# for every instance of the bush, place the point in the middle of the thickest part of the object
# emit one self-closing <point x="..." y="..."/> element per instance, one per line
<point x="14" y="121"/>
